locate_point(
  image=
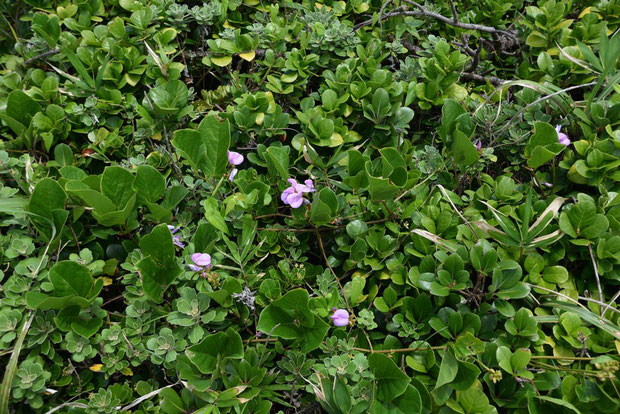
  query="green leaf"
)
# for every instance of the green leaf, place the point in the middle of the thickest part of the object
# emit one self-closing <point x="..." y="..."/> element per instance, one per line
<point x="555" y="274"/>
<point x="290" y="318"/>
<point x="341" y="395"/>
<point x="465" y="377"/>
<point x="205" y="237"/>
<point x="78" y="66"/>
<point x="38" y="300"/>
<point x="408" y="402"/>
<point x="206" y="149"/>
<point x="543" y="145"/>
<point x="448" y="369"/>
<point x="213" y="215"/>
<point x="465" y="152"/>
<point x="473" y="401"/>
<point x="278" y="161"/>
<point x="214" y="348"/>
<point x="70" y="278"/>
<point x="100" y="203"/>
<point x="536" y="39"/>
<point x="149" y="183"/>
<point x="587" y="316"/>
<point x="170" y="402"/>
<point x="324" y="207"/>
<point x="158" y="268"/>
<point x="390" y="380"/>
<point x="47" y="208"/>
<point x="13" y="206"/>
<point x="520" y="358"/>
<point x="21" y="107"/>
<point x="117" y="185"/>
<point x="559" y="402"/>
<point x="86" y="327"/>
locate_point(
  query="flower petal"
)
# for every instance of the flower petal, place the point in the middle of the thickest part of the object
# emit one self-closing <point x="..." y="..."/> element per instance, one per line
<point x="340" y="317"/>
<point x="201" y="259"/>
<point x="286" y="193"/>
<point x="295" y="200"/>
<point x="176" y="240"/>
<point x="234" y="158"/>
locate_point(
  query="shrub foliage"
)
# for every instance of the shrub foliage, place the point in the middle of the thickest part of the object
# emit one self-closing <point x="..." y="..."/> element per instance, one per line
<point x="253" y="206"/>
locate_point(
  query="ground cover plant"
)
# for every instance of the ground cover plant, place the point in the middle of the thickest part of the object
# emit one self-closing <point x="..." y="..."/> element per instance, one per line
<point x="253" y="206"/>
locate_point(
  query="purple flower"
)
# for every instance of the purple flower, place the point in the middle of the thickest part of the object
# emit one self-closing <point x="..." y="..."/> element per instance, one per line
<point x="202" y="263"/>
<point x="234" y="172"/>
<point x="176" y="239"/>
<point x="562" y="137"/>
<point x="340" y="317"/>
<point x="293" y="195"/>
<point x="234" y="158"/>
<point x="478" y="145"/>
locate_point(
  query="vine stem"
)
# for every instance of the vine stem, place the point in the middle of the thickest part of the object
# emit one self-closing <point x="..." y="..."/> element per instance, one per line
<point x="318" y="236"/>
<point x="399" y="350"/>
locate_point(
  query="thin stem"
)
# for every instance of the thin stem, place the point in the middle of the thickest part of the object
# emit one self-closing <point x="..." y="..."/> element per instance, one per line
<point x="598" y="280"/>
<point x="318" y="236"/>
<point x="399" y="350"/>
<point x="601" y="304"/>
<point x="567" y="358"/>
<point x="613" y="300"/>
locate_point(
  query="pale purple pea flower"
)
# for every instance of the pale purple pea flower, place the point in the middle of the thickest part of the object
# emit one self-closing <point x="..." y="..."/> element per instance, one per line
<point x="202" y="263"/>
<point x="479" y="145"/>
<point x="176" y="238"/>
<point x="234" y="172"/>
<point x="293" y="195"/>
<point x="562" y="137"/>
<point x="234" y="158"/>
<point x="340" y="317"/>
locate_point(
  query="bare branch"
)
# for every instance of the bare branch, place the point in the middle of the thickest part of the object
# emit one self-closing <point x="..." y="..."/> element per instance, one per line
<point x="42" y="55"/>
<point x="426" y="13"/>
<point x="493" y="80"/>
<point x="454" y="13"/>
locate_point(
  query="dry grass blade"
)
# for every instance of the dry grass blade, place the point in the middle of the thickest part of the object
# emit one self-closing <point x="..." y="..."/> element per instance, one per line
<point x="435" y="239"/>
<point x="547" y="237"/>
<point x="144" y="398"/>
<point x="486" y="227"/>
<point x="445" y="194"/>
<point x="552" y="208"/>
<point x="68" y="404"/>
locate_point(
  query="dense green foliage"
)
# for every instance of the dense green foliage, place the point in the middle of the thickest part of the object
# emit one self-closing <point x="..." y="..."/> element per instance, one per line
<point x="458" y="219"/>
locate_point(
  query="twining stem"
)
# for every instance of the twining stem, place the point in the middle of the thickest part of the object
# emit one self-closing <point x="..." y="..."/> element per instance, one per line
<point x="318" y="236"/>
